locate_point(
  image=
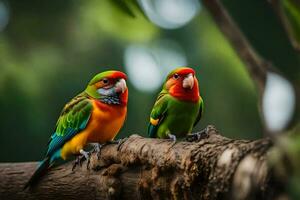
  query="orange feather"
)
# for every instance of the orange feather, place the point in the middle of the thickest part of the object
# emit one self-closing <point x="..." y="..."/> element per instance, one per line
<point x="104" y="124"/>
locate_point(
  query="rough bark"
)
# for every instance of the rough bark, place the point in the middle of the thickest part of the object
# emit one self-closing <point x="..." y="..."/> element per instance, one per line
<point x="213" y="168"/>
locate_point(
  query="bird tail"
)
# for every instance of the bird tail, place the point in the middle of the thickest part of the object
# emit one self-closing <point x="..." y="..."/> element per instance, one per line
<point x="40" y="171"/>
<point x="152" y="130"/>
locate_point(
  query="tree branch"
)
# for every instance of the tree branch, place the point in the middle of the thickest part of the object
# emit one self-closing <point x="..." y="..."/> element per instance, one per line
<point x="278" y="10"/>
<point x="255" y="65"/>
<point x="212" y="168"/>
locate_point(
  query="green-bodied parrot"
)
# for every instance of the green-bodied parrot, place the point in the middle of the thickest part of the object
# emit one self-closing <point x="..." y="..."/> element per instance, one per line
<point x="178" y="107"/>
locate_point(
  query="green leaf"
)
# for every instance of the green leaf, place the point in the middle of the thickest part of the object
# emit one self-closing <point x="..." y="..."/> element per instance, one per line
<point x="129" y="7"/>
<point x="291" y="11"/>
<point x="123" y="5"/>
<point x="140" y="9"/>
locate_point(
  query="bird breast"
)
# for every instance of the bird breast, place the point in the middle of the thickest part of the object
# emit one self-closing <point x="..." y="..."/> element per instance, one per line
<point x="105" y="122"/>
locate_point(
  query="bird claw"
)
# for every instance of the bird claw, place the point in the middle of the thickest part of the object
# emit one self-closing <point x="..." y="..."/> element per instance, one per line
<point x="80" y="159"/>
<point x="119" y="142"/>
<point x="198" y="136"/>
<point x="97" y="149"/>
<point x="98" y="146"/>
<point x="84" y="155"/>
<point x="172" y="137"/>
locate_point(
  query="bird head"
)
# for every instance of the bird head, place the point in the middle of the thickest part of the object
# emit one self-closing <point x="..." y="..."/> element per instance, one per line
<point x="109" y="87"/>
<point x="183" y="84"/>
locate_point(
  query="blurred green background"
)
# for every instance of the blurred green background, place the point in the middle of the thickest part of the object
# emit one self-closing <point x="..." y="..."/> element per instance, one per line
<point x="49" y="50"/>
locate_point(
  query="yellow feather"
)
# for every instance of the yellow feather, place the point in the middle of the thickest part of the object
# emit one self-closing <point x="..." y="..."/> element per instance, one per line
<point x="154" y="122"/>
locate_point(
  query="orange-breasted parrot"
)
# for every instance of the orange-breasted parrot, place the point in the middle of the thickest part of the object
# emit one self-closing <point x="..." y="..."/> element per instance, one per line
<point x="94" y="116"/>
<point x="178" y="107"/>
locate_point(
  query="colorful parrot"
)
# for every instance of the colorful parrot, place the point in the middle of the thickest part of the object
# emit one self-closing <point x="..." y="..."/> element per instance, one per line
<point x="178" y="107"/>
<point x="94" y="116"/>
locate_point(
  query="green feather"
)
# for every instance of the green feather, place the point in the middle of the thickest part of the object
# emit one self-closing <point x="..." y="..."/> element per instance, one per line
<point x="73" y="118"/>
<point x="175" y="117"/>
<point x="158" y="112"/>
<point x="200" y="113"/>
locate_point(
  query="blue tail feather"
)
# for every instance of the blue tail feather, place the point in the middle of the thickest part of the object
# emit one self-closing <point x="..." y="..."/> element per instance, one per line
<point x="152" y="130"/>
<point x="40" y="171"/>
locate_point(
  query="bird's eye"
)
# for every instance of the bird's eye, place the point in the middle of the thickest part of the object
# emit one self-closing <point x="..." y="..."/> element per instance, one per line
<point x="105" y="81"/>
<point x="175" y="76"/>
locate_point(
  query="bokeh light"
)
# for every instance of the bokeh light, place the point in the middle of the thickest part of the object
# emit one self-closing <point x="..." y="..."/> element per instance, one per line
<point x="142" y="68"/>
<point x="278" y="102"/>
<point x="170" y="14"/>
<point x="147" y="65"/>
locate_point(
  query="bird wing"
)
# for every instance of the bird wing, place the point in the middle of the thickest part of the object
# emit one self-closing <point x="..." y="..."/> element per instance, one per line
<point x="157" y="114"/>
<point x="200" y="113"/>
<point x="73" y="119"/>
